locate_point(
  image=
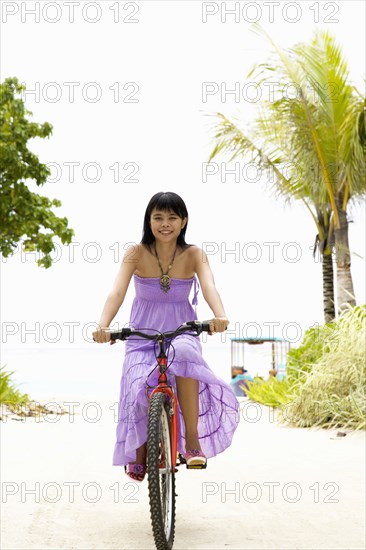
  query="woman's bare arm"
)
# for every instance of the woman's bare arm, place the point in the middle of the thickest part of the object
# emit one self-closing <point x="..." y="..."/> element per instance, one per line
<point x="209" y="291"/>
<point x="117" y="294"/>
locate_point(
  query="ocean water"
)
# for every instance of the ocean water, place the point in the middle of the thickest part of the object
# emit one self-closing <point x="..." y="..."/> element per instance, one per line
<point x="87" y="373"/>
<point x="94" y="371"/>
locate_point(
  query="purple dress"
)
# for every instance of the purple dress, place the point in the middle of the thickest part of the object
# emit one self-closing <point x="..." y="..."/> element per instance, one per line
<point x="218" y="407"/>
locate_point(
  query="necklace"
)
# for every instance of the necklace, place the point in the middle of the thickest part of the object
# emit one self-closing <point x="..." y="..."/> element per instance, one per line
<point x="164" y="278"/>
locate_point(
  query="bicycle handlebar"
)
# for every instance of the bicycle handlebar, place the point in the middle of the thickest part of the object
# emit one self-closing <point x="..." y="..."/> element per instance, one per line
<point x="197" y="326"/>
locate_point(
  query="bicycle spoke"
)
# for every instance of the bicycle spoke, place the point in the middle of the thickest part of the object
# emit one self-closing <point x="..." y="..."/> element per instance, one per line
<point x="166" y="474"/>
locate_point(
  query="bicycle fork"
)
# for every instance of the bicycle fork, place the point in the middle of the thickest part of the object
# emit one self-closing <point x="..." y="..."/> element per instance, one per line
<point x="163" y="387"/>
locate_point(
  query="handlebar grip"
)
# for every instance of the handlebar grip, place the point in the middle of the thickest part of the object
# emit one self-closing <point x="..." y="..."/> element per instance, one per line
<point x="200" y="327"/>
<point x="203" y="327"/>
<point x="120" y="334"/>
<point x="206" y="326"/>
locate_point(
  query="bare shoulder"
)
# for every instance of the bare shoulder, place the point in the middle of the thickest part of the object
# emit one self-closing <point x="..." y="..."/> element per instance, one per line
<point x="197" y="256"/>
<point x="202" y="267"/>
<point x="197" y="252"/>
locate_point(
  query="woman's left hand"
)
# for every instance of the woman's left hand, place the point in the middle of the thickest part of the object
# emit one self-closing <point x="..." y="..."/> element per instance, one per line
<point x="218" y="324"/>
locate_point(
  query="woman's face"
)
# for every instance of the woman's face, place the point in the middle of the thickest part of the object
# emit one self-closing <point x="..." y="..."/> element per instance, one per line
<point x="166" y="226"/>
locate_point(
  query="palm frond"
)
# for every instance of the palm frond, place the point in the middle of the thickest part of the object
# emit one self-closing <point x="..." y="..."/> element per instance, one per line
<point x="315" y="143"/>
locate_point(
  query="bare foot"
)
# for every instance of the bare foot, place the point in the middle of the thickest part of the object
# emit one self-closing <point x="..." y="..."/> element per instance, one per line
<point x="139" y="473"/>
<point x="192" y="443"/>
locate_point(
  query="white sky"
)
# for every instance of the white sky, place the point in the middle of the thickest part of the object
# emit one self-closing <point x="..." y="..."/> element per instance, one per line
<point x="168" y="53"/>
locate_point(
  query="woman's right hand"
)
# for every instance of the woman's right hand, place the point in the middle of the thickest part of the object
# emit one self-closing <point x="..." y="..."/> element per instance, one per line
<point x="102" y="335"/>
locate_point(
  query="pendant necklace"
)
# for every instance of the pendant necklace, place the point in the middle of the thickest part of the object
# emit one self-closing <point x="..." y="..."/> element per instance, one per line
<point x="164" y="278"/>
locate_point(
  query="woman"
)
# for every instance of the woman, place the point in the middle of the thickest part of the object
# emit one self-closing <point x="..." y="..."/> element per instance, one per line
<point x="164" y="267"/>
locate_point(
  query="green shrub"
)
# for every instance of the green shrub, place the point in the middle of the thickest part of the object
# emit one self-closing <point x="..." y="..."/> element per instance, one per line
<point x="315" y="344"/>
<point x="332" y="394"/>
<point x="8" y="393"/>
<point x="326" y="377"/>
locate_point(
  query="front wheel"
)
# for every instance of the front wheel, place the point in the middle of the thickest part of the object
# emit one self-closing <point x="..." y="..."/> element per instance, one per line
<point x="161" y="477"/>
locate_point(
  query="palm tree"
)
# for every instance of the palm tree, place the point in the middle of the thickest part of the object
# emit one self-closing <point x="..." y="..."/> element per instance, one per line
<point x="313" y="143"/>
<point x="324" y="243"/>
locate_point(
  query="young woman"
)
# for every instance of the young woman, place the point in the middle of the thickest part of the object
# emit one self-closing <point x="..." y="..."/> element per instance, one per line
<point x="164" y="267"/>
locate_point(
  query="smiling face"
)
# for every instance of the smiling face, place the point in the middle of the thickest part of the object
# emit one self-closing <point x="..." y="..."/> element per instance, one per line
<point x="166" y="225"/>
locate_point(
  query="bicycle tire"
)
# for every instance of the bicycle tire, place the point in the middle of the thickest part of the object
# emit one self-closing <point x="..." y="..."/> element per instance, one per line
<point x="161" y="485"/>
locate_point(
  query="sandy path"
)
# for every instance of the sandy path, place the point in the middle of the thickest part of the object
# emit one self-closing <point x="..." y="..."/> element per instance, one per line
<point x="275" y="488"/>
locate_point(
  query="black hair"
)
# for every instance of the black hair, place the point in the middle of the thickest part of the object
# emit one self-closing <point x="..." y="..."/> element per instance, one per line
<point x="168" y="202"/>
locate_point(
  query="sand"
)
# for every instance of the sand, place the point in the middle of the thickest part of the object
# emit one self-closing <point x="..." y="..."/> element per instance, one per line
<point x="275" y="488"/>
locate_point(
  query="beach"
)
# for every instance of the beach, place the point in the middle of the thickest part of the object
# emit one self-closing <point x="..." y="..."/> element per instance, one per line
<point x="275" y="487"/>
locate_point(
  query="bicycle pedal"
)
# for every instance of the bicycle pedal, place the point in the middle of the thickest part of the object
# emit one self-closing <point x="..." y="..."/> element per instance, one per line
<point x="196" y="466"/>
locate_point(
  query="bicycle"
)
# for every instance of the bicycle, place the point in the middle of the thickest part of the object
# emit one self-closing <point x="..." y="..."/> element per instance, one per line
<point x="162" y="438"/>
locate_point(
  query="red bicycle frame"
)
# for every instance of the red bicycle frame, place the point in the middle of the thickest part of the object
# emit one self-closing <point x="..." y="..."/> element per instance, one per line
<point x="163" y="387"/>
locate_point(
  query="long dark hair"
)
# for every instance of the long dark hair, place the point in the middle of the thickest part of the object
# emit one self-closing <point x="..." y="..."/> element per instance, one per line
<point x="168" y="202"/>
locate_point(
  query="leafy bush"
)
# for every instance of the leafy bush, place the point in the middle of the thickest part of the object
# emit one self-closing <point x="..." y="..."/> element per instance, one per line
<point x="8" y="393"/>
<point x="326" y="377"/>
<point x="315" y="344"/>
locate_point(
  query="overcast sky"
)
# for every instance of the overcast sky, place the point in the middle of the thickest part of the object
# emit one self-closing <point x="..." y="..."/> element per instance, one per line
<point x="126" y="86"/>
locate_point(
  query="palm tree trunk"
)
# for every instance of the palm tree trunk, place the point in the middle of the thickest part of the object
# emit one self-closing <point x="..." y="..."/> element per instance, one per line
<point x="328" y="287"/>
<point x="345" y="291"/>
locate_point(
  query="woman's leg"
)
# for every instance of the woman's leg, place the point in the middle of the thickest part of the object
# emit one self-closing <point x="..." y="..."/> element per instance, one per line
<point x="187" y="389"/>
<point x="141" y="454"/>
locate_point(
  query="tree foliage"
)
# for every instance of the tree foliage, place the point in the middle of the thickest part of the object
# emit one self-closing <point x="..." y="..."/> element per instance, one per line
<point x="314" y="144"/>
<point x="25" y="215"/>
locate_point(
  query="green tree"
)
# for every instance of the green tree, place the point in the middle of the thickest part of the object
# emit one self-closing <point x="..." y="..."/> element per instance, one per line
<point x="313" y="144"/>
<point x="24" y="215"/>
